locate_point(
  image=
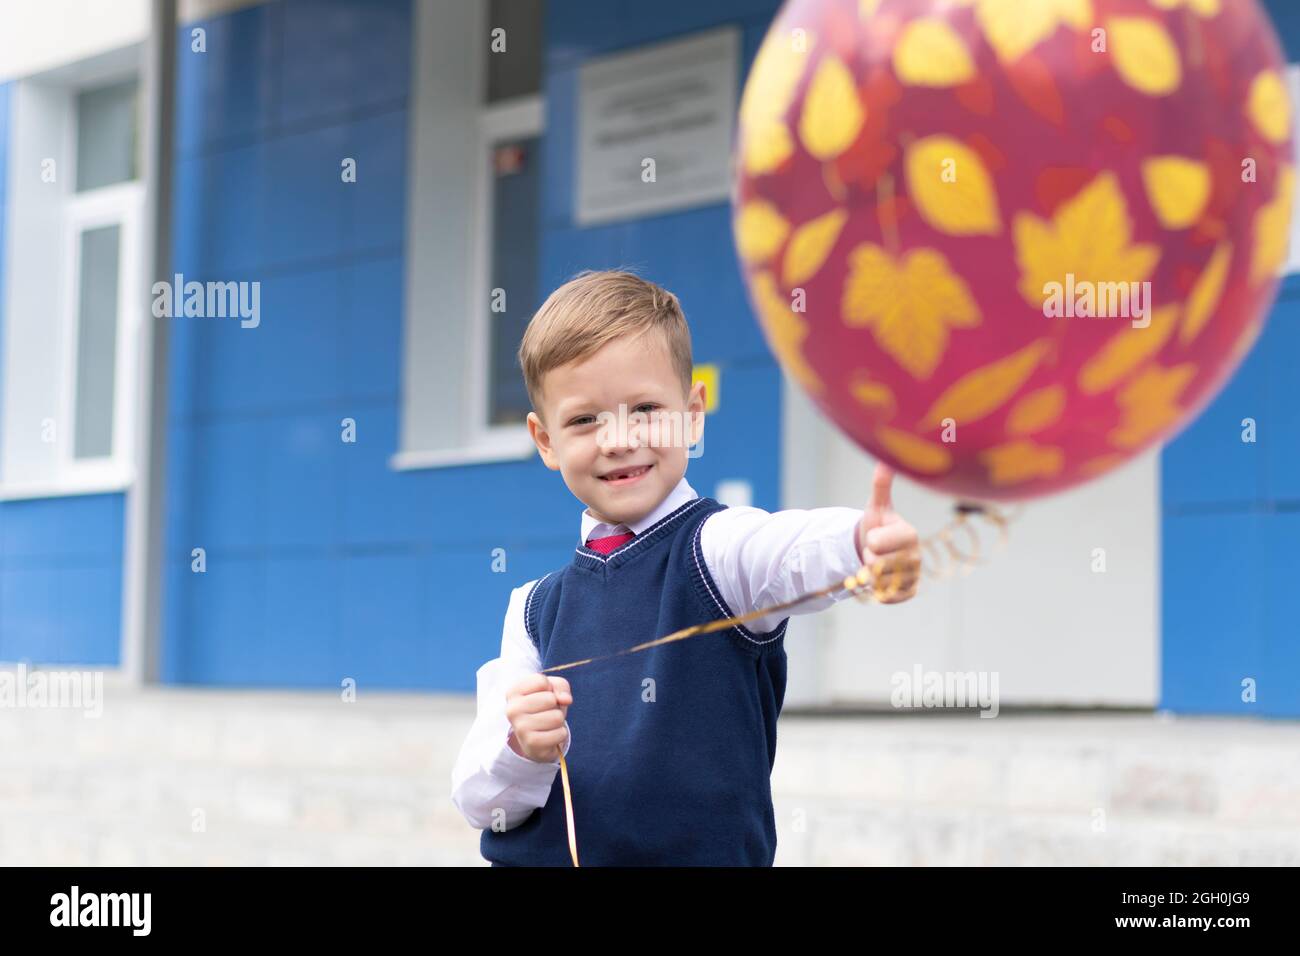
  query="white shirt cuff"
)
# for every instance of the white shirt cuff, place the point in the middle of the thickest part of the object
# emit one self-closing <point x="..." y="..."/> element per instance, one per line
<point x="519" y="771"/>
<point x="846" y="557"/>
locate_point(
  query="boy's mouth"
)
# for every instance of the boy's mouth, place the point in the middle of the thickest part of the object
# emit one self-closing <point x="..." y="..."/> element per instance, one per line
<point x="626" y="476"/>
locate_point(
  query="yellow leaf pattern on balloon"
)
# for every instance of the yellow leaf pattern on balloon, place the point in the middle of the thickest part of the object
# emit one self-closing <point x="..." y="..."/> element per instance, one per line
<point x="1149" y="403"/>
<point x="1204" y="8"/>
<point x="832" y="112"/>
<point x="1102" y="463"/>
<point x="930" y="53"/>
<point x="767" y="145"/>
<point x="927" y="457"/>
<point x="1014" y="27"/>
<point x="810" y="245"/>
<point x="1022" y="460"/>
<point x="769" y="91"/>
<point x="1269" y="106"/>
<point x="1273" y="229"/>
<point x="1207" y="292"/>
<point x="908" y="305"/>
<point x="760" y="231"/>
<point x="1178" y="189"/>
<point x="1144" y="55"/>
<point x="1126" y="350"/>
<point x="1038" y="410"/>
<point x="951" y="188"/>
<point x="1089" y="236"/>
<point x="986" y="389"/>
<point x="874" y="395"/>
<point x="786" y="330"/>
<point x="778" y="66"/>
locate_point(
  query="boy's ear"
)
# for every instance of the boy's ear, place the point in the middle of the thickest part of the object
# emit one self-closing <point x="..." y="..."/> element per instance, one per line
<point x="696" y="402"/>
<point x="542" y="439"/>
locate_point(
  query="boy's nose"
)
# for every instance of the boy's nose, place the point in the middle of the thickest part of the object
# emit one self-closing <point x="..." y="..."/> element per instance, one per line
<point x="616" y="440"/>
<point x="617" y="444"/>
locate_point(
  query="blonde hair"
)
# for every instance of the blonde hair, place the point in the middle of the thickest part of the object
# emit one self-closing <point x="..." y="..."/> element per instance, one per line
<point x="592" y="309"/>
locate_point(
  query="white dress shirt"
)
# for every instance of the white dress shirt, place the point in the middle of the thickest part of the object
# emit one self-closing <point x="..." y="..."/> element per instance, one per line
<point x="756" y="558"/>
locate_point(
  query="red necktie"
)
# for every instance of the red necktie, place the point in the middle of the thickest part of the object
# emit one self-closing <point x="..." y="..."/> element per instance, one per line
<point x="610" y="542"/>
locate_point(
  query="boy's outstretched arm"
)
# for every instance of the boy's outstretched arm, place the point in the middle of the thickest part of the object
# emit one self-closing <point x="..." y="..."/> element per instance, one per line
<point x="491" y="783"/>
<point x="758" y="558"/>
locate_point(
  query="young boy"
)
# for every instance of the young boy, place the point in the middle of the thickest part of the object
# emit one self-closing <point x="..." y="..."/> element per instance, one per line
<point x="669" y="750"/>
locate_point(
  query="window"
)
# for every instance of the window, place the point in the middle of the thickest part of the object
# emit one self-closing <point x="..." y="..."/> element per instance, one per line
<point x="515" y="182"/>
<point x="515" y="71"/>
<point x="478" y="111"/>
<point x="509" y="158"/>
<point x="98" y="268"/>
<point x="74" y="291"/>
<point x="108" y="127"/>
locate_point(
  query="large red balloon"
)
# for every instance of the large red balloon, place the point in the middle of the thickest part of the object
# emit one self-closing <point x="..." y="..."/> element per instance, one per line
<point x="931" y="196"/>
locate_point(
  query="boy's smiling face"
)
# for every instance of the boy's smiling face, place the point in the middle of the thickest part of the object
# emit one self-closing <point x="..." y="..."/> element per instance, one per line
<point x="579" y="432"/>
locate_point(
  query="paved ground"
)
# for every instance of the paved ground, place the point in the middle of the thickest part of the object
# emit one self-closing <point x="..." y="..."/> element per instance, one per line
<point x="175" y="776"/>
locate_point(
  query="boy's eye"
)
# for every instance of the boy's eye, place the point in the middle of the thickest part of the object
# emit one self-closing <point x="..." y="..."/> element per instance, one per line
<point x="583" y="419"/>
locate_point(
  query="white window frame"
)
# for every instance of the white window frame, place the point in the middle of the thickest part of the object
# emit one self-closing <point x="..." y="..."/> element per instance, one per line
<point x="445" y="422"/>
<point x="1291" y="264"/>
<point x="514" y="119"/>
<point x="120" y="204"/>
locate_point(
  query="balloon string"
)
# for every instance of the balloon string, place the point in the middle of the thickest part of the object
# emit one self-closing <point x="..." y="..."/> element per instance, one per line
<point x="866" y="585"/>
<point x="568" y="809"/>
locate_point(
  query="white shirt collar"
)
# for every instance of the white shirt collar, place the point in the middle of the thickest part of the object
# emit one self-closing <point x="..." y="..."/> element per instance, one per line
<point x="674" y="500"/>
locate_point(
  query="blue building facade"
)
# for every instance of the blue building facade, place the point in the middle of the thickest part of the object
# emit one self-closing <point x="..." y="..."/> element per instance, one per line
<point x="323" y="562"/>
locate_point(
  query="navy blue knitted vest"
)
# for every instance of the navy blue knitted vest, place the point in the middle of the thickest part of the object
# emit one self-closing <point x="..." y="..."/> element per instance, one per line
<point x="672" y="749"/>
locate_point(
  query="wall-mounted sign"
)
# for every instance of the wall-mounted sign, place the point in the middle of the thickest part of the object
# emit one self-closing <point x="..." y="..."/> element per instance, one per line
<point x="655" y="127"/>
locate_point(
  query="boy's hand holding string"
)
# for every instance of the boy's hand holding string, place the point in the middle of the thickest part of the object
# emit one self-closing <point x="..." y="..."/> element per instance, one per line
<point x="536" y="708"/>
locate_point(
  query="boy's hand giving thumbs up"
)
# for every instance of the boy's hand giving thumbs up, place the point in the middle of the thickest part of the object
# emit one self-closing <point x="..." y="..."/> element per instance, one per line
<point x="887" y="544"/>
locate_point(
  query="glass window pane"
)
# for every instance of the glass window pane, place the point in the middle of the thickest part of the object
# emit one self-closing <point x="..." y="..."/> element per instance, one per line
<point x="107" y="125"/>
<point x="97" y="342"/>
<point x="516" y="70"/>
<point x="515" y="185"/>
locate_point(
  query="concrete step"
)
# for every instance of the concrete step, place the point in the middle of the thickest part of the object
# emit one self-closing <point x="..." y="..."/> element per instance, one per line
<point x="210" y="777"/>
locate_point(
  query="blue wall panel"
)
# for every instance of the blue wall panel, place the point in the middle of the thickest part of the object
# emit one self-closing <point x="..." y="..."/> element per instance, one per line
<point x="1280" y="615"/>
<point x="60" y="580"/>
<point x="1208" y="464"/>
<point x="266" y="117"/>
<point x="342" y="57"/>
<point x="1213" y="611"/>
<point x="1279" y="442"/>
<point x="224" y="624"/>
<point x="302" y="628"/>
<point x="303" y="482"/>
<point x="228" y="93"/>
<point x="372" y="332"/>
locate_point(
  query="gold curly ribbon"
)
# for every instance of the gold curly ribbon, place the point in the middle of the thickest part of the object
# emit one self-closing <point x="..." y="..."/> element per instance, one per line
<point x="880" y="581"/>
